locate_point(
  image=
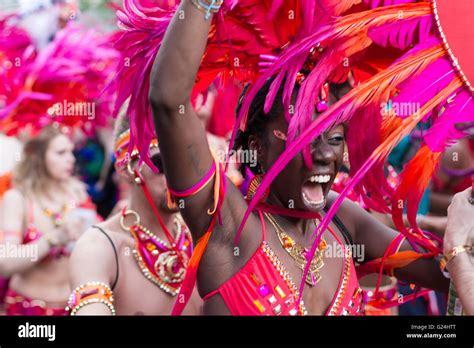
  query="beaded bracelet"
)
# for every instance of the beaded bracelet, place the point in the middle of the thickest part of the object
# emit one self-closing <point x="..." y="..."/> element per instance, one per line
<point x="454" y="251"/>
<point x="91" y="292"/>
<point x="208" y="6"/>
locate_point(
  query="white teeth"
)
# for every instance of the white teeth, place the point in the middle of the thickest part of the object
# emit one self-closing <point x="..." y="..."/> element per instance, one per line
<point x="321" y="179"/>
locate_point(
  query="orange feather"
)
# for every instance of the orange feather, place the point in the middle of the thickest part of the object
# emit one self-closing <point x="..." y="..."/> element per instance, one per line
<point x="417" y="173"/>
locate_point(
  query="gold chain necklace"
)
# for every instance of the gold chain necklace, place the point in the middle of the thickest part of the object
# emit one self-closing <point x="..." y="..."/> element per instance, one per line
<point x="298" y="253"/>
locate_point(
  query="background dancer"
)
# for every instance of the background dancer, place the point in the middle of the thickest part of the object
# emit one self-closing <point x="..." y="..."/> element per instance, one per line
<point x="129" y="255"/>
<point x="46" y="211"/>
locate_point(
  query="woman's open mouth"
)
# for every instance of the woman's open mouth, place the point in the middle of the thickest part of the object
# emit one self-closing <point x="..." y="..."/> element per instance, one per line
<point x="314" y="191"/>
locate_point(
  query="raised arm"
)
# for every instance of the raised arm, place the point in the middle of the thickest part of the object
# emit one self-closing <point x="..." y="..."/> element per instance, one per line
<point x="182" y="137"/>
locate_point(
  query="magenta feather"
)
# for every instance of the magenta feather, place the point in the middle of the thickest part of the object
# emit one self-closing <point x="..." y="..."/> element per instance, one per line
<point x="443" y="132"/>
<point x="401" y="35"/>
<point x="14" y="41"/>
<point x="342" y="110"/>
<point x="276" y="4"/>
<point x="333" y="56"/>
<point x="336" y="114"/>
<point x="423" y="87"/>
<point x="292" y="57"/>
<point x="379" y="3"/>
<point x="144" y="29"/>
<point x="330" y="59"/>
<point x="16" y="52"/>
<point x="246" y="32"/>
<point x="367" y="121"/>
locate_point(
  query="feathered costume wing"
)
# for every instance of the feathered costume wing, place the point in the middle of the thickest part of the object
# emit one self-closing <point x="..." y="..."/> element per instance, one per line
<point x="62" y="84"/>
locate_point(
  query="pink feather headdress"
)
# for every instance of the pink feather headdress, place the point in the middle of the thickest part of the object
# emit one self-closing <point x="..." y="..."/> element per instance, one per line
<point x="16" y="50"/>
<point x="248" y="30"/>
<point x="63" y="84"/>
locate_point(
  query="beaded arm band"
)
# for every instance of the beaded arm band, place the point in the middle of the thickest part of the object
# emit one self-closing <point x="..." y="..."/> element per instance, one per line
<point x="91" y="292"/>
<point x="213" y="172"/>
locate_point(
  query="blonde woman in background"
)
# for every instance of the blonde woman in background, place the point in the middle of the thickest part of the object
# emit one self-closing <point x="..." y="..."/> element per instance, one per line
<point x="41" y="217"/>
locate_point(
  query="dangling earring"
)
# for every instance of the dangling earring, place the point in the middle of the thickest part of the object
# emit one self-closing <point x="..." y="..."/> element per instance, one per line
<point x="133" y="172"/>
<point x="254" y="183"/>
<point x="322" y="104"/>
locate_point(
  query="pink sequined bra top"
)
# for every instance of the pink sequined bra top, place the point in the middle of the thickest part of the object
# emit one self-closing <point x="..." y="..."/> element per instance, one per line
<point x="32" y="233"/>
<point x="264" y="287"/>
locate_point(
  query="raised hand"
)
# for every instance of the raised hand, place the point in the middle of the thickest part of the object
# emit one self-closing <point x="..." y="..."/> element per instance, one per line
<point x="460" y="228"/>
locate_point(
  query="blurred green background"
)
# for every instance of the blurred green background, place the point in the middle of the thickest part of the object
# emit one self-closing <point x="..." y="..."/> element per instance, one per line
<point x="92" y="12"/>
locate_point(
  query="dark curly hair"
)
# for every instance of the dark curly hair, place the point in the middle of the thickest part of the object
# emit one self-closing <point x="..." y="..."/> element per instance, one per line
<point x="258" y="119"/>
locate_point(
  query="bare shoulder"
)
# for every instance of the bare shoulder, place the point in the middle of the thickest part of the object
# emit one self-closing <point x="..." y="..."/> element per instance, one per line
<point x="13" y="204"/>
<point x="93" y="258"/>
<point x="13" y="196"/>
<point x="12" y="210"/>
<point x="457" y="156"/>
<point x="95" y="243"/>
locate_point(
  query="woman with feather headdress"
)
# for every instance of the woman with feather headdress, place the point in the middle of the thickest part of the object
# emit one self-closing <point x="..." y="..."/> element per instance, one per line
<point x="45" y="208"/>
<point x="296" y="116"/>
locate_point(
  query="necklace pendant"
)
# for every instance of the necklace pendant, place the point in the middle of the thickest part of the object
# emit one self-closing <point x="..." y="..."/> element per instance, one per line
<point x="313" y="278"/>
<point x="300" y="254"/>
<point x="58" y="221"/>
<point x="157" y="259"/>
